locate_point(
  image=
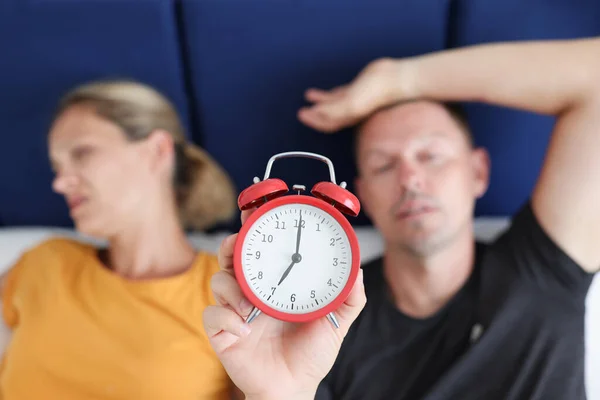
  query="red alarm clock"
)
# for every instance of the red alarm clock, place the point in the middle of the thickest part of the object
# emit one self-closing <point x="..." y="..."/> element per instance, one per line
<point x="297" y="257"/>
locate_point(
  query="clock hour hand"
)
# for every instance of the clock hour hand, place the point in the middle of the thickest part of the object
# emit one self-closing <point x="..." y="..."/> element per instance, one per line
<point x="287" y="272"/>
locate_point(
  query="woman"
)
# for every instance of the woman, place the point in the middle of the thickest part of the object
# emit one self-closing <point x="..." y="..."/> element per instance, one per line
<point x="123" y="322"/>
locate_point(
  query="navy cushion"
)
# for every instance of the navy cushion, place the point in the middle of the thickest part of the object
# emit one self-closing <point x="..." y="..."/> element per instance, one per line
<point x="49" y="46"/>
<point x="517" y="140"/>
<point x="252" y="61"/>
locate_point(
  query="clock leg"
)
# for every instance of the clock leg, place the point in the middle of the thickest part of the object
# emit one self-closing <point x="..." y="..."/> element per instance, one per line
<point x="333" y="320"/>
<point x="255" y="313"/>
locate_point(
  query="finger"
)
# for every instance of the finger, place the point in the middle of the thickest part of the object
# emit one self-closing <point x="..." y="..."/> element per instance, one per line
<point x="225" y="254"/>
<point x="354" y="304"/>
<point x="311" y="116"/>
<point x="326" y="117"/>
<point x="339" y="92"/>
<point x="246" y="214"/>
<point x="223" y="327"/>
<point x="227" y="292"/>
<point x="318" y="95"/>
<point x="357" y="298"/>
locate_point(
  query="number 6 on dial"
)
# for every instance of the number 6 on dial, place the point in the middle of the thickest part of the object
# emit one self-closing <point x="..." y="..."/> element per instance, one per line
<point x="297" y="257"/>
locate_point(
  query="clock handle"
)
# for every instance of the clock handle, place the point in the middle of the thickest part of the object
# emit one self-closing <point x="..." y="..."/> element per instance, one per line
<point x="304" y="154"/>
<point x="256" y="312"/>
<point x="253" y="314"/>
<point x="331" y="317"/>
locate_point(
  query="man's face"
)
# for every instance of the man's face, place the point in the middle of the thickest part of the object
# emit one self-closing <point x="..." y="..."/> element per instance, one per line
<point x="419" y="176"/>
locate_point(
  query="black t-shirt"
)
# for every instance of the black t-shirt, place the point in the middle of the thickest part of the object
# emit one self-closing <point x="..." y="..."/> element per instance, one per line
<point x="514" y="331"/>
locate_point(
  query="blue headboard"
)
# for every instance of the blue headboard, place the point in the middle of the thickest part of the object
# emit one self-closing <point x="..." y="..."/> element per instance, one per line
<point x="516" y="140"/>
<point x="237" y="70"/>
<point x="252" y="61"/>
<point x="46" y="47"/>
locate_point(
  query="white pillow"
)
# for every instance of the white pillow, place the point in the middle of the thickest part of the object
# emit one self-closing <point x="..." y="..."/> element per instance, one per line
<point x="14" y="241"/>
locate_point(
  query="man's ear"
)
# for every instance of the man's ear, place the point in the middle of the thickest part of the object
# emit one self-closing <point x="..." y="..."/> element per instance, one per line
<point x="481" y="165"/>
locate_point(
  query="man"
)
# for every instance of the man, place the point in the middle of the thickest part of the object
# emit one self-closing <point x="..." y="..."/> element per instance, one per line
<point x="445" y="318"/>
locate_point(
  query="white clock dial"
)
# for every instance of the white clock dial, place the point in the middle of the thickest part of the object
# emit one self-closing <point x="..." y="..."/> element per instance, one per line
<point x="303" y="281"/>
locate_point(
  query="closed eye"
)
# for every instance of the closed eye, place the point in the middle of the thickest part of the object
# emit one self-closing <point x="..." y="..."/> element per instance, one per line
<point x="378" y="162"/>
<point x="384" y="168"/>
<point x="428" y="156"/>
<point x="81" y="152"/>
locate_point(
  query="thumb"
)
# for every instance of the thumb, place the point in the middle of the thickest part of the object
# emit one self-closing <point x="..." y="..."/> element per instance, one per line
<point x="246" y="214"/>
<point x="354" y="304"/>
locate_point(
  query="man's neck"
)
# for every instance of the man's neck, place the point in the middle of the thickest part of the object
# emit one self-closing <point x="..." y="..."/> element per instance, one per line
<point x="422" y="286"/>
<point x="154" y="248"/>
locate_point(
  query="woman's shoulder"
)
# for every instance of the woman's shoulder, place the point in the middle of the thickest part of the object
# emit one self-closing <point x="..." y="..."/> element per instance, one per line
<point x="37" y="266"/>
<point x="56" y="252"/>
<point x="206" y="262"/>
<point x="205" y="266"/>
<point x="57" y="248"/>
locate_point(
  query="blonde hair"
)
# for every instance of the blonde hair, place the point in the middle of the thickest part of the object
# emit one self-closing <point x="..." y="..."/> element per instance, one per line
<point x="204" y="192"/>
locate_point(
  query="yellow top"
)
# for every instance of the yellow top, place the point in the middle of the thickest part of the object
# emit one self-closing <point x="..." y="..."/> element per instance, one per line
<point x="82" y="332"/>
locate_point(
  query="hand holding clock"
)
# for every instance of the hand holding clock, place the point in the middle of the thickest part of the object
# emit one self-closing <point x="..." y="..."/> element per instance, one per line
<point x="272" y="359"/>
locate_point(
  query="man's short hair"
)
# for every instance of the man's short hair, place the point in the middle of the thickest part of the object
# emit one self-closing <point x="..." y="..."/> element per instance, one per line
<point x="454" y="109"/>
<point x="459" y="115"/>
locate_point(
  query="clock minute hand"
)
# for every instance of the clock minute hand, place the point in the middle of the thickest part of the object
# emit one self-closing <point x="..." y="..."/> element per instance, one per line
<point x="287" y="272"/>
<point x="296" y="256"/>
<point x="299" y="234"/>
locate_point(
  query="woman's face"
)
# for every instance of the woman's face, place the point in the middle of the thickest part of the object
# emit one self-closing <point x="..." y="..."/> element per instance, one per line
<point x="107" y="180"/>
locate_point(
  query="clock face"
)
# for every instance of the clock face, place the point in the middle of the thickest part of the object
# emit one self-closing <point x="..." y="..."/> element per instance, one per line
<point x="296" y="258"/>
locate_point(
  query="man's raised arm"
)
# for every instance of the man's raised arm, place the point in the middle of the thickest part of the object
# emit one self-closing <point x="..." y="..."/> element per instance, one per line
<point x="560" y="78"/>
